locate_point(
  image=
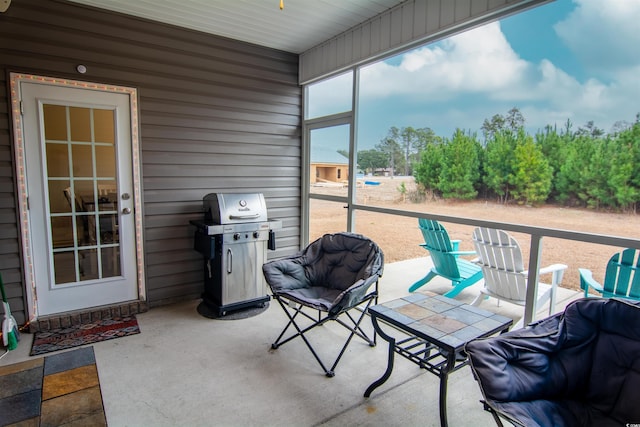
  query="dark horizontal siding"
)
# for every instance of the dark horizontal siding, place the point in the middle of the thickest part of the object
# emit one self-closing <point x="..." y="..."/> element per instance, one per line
<point x="10" y="261"/>
<point x="216" y="115"/>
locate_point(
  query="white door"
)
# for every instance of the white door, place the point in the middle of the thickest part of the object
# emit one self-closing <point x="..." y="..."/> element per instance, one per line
<point x="78" y="161"/>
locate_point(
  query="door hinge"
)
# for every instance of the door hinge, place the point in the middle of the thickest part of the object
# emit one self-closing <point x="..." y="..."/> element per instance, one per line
<point x="21" y="108"/>
<point x="28" y="207"/>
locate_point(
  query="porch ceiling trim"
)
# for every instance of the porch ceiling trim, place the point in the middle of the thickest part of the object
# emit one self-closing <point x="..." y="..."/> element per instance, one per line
<point x="403" y="27"/>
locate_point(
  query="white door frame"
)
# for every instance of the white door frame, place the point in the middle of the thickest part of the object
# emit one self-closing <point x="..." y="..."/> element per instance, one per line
<point x="21" y="176"/>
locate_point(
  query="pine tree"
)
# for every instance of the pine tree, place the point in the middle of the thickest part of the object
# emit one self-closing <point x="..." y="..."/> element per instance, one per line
<point x="531" y="173"/>
<point x="460" y="176"/>
<point x="498" y="167"/>
<point x="427" y="172"/>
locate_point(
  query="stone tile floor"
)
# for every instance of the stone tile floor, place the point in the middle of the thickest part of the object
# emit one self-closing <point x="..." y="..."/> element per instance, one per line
<point x="54" y="390"/>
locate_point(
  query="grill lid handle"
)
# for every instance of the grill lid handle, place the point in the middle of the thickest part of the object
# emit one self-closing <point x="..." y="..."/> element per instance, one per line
<point x="244" y="216"/>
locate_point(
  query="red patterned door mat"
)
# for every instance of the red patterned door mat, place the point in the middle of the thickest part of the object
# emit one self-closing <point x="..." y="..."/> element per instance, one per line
<point x="88" y="333"/>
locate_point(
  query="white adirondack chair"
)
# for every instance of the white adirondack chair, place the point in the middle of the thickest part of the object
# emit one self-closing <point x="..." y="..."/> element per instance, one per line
<point x="505" y="278"/>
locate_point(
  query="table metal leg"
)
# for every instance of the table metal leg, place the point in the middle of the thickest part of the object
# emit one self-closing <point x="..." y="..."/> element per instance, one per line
<point x="387" y="373"/>
<point x="444" y="378"/>
<point x="410" y="348"/>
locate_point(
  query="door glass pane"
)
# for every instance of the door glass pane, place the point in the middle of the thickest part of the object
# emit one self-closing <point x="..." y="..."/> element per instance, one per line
<point x="57" y="159"/>
<point x="108" y="188"/>
<point x="111" y="261"/>
<point x="329" y="158"/>
<point x="108" y="229"/>
<point x="59" y="196"/>
<point x="80" y="124"/>
<point x="65" y="271"/>
<point x="88" y="264"/>
<point x="106" y="168"/>
<point x="62" y="231"/>
<point x="55" y="122"/>
<point x="103" y="125"/>
<point x="85" y="195"/>
<point x="82" y="160"/>
<point x="84" y="231"/>
<point x="82" y="192"/>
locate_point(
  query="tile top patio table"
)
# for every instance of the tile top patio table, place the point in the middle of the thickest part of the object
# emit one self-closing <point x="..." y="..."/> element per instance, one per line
<point x="433" y="331"/>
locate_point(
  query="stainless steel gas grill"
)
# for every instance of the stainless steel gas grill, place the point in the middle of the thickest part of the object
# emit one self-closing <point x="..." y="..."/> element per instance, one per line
<point x="233" y="238"/>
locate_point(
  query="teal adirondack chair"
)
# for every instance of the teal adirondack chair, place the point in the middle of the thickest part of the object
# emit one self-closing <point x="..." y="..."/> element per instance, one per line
<point x="446" y="259"/>
<point x="621" y="278"/>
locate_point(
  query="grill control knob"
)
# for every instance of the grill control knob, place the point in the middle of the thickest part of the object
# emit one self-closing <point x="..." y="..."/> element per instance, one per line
<point x="256" y="234"/>
<point x="236" y="236"/>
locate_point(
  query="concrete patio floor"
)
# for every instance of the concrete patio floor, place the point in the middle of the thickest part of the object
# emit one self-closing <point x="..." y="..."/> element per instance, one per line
<point x="187" y="370"/>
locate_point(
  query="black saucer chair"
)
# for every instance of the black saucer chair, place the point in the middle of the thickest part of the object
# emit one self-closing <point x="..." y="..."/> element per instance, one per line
<point x="331" y="278"/>
<point x="576" y="368"/>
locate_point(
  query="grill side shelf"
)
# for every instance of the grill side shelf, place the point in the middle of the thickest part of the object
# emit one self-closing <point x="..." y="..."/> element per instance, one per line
<point x="208" y="228"/>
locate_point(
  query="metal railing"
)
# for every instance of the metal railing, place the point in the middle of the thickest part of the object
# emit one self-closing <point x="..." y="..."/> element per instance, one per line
<point x="536" y="233"/>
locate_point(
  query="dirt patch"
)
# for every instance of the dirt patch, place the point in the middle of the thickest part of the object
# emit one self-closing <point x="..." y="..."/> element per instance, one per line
<point x="399" y="237"/>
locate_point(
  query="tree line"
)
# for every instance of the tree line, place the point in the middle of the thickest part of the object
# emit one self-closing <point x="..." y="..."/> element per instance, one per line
<point x="586" y="167"/>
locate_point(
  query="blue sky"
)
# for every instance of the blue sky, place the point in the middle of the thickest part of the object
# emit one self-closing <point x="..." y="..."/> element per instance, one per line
<point x="570" y="59"/>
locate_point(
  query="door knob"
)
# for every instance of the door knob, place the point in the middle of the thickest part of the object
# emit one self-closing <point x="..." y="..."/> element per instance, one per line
<point x="126" y="211"/>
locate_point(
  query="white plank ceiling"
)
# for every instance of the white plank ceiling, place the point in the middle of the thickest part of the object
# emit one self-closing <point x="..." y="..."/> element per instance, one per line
<point x="301" y="25"/>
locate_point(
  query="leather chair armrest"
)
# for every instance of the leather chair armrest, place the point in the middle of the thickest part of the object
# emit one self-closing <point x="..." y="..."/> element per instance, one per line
<point x="353" y="295"/>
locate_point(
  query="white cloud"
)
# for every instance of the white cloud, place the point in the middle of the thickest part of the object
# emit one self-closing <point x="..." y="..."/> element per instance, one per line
<point x="479" y="60"/>
<point x="564" y="97"/>
<point x="603" y="35"/>
<point x="557" y="87"/>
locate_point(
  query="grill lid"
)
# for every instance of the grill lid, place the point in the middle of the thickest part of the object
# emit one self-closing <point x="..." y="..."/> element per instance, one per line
<point x="234" y="208"/>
